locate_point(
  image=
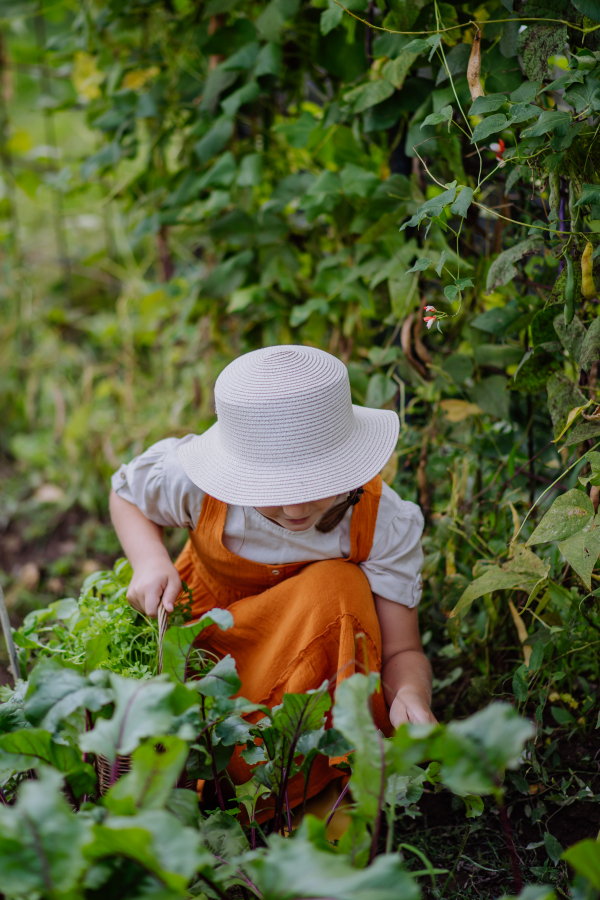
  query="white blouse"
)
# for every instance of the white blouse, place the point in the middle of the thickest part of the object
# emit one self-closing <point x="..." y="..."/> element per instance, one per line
<point x="156" y="483"/>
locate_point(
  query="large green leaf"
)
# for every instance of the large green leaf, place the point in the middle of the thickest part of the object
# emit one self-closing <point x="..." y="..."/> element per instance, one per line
<point x="525" y="570"/>
<point x="503" y="270"/>
<point x="221" y="681"/>
<point x="585" y="859"/>
<point x="571" y="336"/>
<point x="536" y="43"/>
<point x="477" y="750"/>
<point x="369" y="94"/>
<point x="582" y="551"/>
<point x="352" y="717"/>
<point x="156" y="840"/>
<point x="55" y="692"/>
<point x="590" y="347"/>
<point x="142" y="708"/>
<point x="563" y="396"/>
<point x="296" y="868"/>
<point x="42" y="841"/>
<point x="549" y="120"/>
<point x="299" y="713"/>
<point x="179" y="640"/>
<point x="569" y="514"/>
<point x="31" y="747"/>
<point x="490" y="125"/>
<point x="155" y="768"/>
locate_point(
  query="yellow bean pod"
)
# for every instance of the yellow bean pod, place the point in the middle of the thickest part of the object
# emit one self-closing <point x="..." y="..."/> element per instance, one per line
<point x="588" y="288"/>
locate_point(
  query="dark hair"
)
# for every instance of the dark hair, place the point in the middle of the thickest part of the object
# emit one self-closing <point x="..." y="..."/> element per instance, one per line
<point x="334" y="515"/>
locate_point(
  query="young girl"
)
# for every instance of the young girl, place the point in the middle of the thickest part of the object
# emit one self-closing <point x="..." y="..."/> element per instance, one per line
<point x="291" y="529"/>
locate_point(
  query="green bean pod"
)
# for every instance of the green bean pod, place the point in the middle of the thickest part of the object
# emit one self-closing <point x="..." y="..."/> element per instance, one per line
<point x="569" y="291"/>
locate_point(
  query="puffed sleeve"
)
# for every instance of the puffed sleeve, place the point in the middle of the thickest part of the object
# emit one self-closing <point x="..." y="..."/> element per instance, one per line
<point x="396" y="559"/>
<point x="156" y="483"/>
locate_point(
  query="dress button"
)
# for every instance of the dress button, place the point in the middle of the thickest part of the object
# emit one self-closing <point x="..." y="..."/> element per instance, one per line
<point x="275" y="572"/>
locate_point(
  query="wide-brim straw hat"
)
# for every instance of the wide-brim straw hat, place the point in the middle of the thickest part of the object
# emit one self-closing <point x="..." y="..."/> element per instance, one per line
<point x="287" y="432"/>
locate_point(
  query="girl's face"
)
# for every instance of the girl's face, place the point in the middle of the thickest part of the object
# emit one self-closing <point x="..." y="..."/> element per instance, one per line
<point x="297" y="518"/>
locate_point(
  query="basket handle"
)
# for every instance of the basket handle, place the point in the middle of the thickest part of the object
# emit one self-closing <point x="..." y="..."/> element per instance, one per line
<point x="162" y="627"/>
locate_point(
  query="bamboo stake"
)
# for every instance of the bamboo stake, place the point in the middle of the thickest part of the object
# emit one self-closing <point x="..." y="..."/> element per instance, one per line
<point x="10" y="644"/>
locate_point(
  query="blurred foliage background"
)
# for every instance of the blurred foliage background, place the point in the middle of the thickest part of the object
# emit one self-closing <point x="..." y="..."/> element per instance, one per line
<point x="184" y="181"/>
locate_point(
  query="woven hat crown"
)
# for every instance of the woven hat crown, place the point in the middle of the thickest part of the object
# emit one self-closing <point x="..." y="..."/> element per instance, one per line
<point x="281" y="406"/>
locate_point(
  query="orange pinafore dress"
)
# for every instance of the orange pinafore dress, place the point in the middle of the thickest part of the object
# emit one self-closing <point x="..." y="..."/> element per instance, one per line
<point x="295" y="624"/>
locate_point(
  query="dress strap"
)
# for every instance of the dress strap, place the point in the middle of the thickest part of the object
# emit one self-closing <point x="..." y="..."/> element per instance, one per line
<point x="212" y="517"/>
<point x="364" y="519"/>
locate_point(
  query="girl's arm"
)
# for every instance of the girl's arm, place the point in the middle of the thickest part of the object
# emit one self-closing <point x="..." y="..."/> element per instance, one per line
<point x="405" y="670"/>
<point x="154" y="575"/>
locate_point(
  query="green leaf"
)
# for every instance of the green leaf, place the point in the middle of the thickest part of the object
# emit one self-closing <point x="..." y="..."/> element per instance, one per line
<point x="42" y="841"/>
<point x="590" y="347"/>
<point x="142" y="708"/>
<point x="522" y="112"/>
<point x="433" y="207"/>
<point x="352" y="717"/>
<point x="536" y="43"/>
<point x="569" y="514"/>
<point x="519" y="686"/>
<point x="474" y="806"/>
<point x="550" y="120"/>
<point x="330" y="19"/>
<point x="244" y="58"/>
<point x="358" y="182"/>
<point x="444" y="115"/>
<point x="221" y="681"/>
<point x="589" y="8"/>
<point x="489" y="126"/>
<point x="56" y="692"/>
<point x="524" y="570"/>
<point x="553" y="848"/>
<point x="223" y="836"/>
<point x="503" y="270"/>
<point x="582" y="551"/>
<point x="461" y="205"/>
<point x="590" y="193"/>
<point x="487" y="104"/>
<point x="491" y="396"/>
<point x="153" y="775"/>
<point x="526" y="92"/>
<point x="380" y="391"/>
<point x="537" y="657"/>
<point x="421" y="265"/>
<point x="214" y="141"/>
<point x="585" y="859"/>
<point x="246" y="94"/>
<point x="298" y="133"/>
<point x="320" y="873"/>
<point x="302" y="313"/>
<point x="571" y="337"/>
<point x="369" y="94"/>
<point x="157" y="841"/>
<point x="274" y="16"/>
<point x="440" y="265"/>
<point x="179" y="640"/>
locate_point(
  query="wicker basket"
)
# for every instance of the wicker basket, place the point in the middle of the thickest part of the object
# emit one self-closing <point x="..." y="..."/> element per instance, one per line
<point x="104" y="769"/>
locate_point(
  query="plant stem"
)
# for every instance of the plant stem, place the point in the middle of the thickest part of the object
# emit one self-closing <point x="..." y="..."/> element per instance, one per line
<point x="510" y="846"/>
<point x="343" y="793"/>
<point x="377" y="824"/>
<point x="457" y="860"/>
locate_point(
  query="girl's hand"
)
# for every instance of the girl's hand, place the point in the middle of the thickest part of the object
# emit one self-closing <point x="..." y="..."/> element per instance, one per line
<point x="410" y="706"/>
<point x="152" y="581"/>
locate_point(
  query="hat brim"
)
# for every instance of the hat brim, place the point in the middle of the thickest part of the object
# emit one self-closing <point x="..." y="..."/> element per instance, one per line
<point x="350" y="465"/>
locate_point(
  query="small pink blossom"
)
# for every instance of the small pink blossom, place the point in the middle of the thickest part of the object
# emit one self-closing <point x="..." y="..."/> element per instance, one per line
<point x="429" y="320"/>
<point x="429" y="308"/>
